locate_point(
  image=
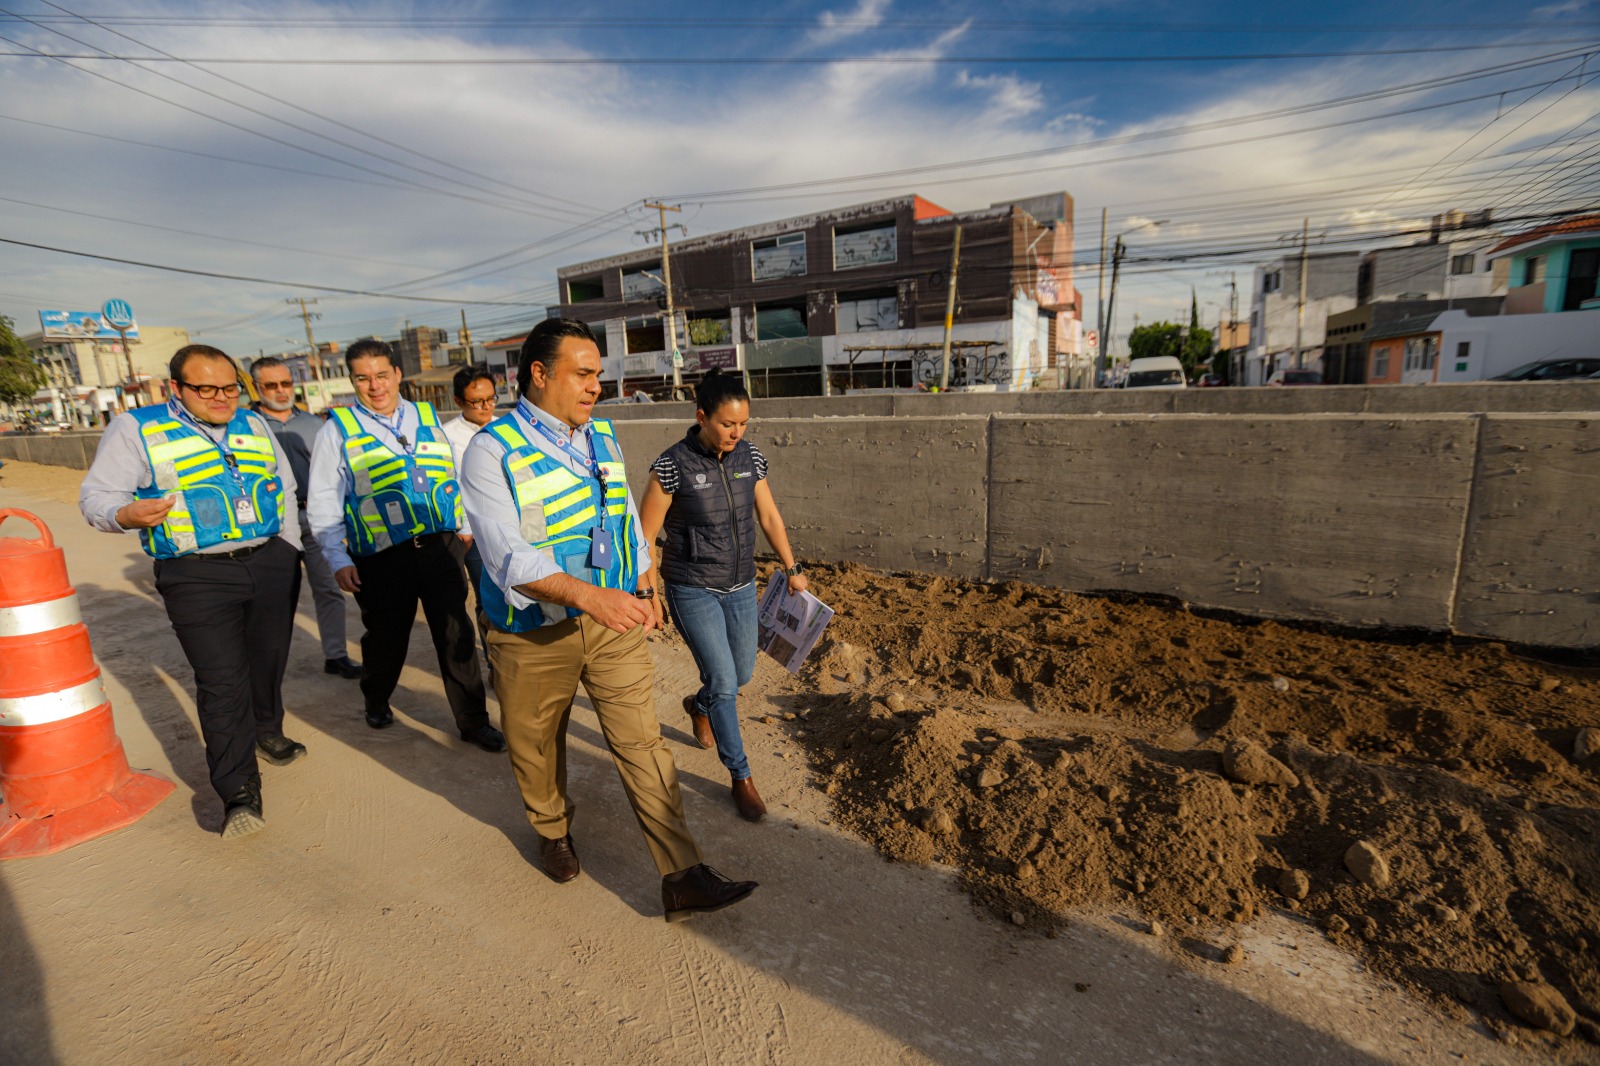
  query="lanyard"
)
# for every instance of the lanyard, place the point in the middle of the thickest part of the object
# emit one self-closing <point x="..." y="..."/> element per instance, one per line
<point x="400" y="420"/>
<point x="206" y="429"/>
<point x="589" y="463"/>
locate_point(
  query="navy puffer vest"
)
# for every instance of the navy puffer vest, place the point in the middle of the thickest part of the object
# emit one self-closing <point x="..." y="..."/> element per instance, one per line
<point x="711" y="526"/>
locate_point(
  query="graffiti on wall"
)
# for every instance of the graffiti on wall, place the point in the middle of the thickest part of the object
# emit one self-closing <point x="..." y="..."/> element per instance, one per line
<point x="986" y="366"/>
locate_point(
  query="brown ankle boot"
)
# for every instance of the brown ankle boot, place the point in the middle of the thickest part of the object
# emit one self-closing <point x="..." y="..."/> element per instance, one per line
<point x="702" y="725"/>
<point x="748" y="800"/>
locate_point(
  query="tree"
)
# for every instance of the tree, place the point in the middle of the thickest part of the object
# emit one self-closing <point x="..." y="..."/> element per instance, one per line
<point x="1190" y="344"/>
<point x="20" y="375"/>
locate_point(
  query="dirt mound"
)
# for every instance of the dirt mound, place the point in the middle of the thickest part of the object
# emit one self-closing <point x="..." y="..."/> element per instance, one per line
<point x="1421" y="802"/>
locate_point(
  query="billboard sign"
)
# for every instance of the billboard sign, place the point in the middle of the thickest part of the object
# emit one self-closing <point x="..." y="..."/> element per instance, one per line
<point x="117" y="314"/>
<point x="80" y="325"/>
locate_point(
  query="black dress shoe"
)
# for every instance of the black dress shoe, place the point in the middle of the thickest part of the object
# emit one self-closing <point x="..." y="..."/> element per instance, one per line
<point x="485" y="736"/>
<point x="279" y="750"/>
<point x="380" y="717"/>
<point x="345" y="667"/>
<point x="559" y="858"/>
<point x="700" y="890"/>
<point x="242" y="811"/>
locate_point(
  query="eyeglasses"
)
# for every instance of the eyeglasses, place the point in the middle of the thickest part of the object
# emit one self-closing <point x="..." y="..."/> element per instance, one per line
<point x="371" y="379"/>
<point x="478" y="405"/>
<point x="209" y="392"/>
<point x="274" y="384"/>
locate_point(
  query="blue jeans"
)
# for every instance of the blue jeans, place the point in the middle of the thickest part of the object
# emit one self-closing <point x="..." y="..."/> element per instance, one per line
<point x="720" y="629"/>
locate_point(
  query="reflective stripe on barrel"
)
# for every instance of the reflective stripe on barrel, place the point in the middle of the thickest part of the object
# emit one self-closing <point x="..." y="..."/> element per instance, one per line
<point x="29" y="618"/>
<point x="52" y="706"/>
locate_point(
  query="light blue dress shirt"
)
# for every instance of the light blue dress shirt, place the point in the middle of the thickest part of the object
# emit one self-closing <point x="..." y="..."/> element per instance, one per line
<point x="508" y="559"/>
<point x="121" y="467"/>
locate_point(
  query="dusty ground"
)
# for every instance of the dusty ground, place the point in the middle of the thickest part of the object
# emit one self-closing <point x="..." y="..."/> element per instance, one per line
<point x="390" y="912"/>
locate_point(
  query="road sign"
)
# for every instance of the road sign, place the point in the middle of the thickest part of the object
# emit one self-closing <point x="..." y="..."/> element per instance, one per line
<point x="118" y="314"/>
<point x="1092" y="338"/>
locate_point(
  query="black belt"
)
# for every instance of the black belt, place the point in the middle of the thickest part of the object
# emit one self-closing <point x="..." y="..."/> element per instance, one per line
<point x="237" y="553"/>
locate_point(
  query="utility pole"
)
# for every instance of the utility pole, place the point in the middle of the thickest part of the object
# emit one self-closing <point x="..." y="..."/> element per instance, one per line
<point x="672" y="314"/>
<point x="466" y="336"/>
<point x="316" y="361"/>
<point x="1111" y="305"/>
<point x="1300" y="307"/>
<point x="950" y="311"/>
<point x="1100" y="295"/>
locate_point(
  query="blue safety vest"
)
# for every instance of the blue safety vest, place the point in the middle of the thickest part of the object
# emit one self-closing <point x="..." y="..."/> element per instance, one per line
<point x="219" y="493"/>
<point x="567" y="508"/>
<point x="395" y="497"/>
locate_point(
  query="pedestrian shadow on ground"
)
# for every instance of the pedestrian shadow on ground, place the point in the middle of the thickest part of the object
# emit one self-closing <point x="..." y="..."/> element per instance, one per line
<point x="24" y="1014"/>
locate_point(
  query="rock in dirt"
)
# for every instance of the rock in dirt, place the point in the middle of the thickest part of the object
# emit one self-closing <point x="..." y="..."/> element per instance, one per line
<point x="1586" y="745"/>
<point x="1549" y="684"/>
<point x="1157" y="929"/>
<point x="1294" y="884"/>
<point x="1247" y="762"/>
<point x="1335" y="924"/>
<point x="1539" y="1005"/>
<point x="895" y="702"/>
<point x="1367" y="864"/>
<point x="1026" y="871"/>
<point x="989" y="777"/>
<point x="1017" y="919"/>
<point x="1233" y="955"/>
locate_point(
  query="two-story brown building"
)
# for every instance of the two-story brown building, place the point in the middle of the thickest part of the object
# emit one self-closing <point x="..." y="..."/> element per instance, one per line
<point x="847" y="299"/>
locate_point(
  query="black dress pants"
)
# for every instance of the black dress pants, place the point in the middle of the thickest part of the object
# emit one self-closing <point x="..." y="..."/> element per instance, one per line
<point x="393" y="582"/>
<point x="234" y="618"/>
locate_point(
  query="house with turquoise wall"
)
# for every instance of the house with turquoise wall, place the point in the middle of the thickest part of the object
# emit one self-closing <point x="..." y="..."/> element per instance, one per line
<point x="1554" y="267"/>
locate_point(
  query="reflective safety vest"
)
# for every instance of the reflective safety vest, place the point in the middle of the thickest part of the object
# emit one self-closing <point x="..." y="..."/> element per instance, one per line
<point x="558" y="512"/>
<point x="218" y="492"/>
<point x="394" y="496"/>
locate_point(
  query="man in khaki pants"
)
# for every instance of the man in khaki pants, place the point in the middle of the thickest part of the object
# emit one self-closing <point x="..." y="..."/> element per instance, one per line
<point x="568" y="597"/>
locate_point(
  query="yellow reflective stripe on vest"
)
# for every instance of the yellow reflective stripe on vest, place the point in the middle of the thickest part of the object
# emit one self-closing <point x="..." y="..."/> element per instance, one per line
<point x="557" y="528"/>
<point x="576" y="496"/>
<point x="511" y="436"/>
<point x="555" y="482"/>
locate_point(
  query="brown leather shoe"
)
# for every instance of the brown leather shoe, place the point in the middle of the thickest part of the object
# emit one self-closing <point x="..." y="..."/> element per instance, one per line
<point x="559" y="859"/>
<point x="699" y="890"/>
<point x="748" y="800"/>
<point x="702" y="725"/>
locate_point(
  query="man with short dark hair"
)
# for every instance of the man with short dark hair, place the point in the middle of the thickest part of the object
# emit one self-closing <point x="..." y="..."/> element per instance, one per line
<point x="385" y="506"/>
<point x="567" y="589"/>
<point x="296" y="429"/>
<point x="210" y="492"/>
<point x="474" y="393"/>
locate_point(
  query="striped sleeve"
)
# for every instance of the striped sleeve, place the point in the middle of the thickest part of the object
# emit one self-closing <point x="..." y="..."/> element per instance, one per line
<point x="760" y="462"/>
<point x="667" y="472"/>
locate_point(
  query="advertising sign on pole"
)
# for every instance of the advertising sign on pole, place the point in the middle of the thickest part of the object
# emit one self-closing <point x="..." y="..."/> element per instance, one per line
<point x="80" y="325"/>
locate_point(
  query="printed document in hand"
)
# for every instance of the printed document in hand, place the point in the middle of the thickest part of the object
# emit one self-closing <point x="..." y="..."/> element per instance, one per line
<point x="790" y="625"/>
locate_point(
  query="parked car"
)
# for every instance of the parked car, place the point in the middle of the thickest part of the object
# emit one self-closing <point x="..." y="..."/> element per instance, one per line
<point x="1552" y="370"/>
<point x="1210" y="381"/>
<point x="1295" y="377"/>
<point x="1155" y="372"/>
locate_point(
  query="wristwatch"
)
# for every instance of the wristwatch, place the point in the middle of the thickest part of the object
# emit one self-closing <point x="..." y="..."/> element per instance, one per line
<point x="794" y="571"/>
<point x="647" y="593"/>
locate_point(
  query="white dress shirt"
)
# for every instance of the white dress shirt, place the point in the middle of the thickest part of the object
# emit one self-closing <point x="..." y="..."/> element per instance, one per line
<point x="508" y="559"/>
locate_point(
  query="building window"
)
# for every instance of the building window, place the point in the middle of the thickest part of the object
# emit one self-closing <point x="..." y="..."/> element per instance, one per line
<point x="868" y="245"/>
<point x="778" y="322"/>
<point x="582" y="290"/>
<point x="1463" y="349"/>
<point x="711" y="330"/>
<point x="1533" y="270"/>
<point x="1271" y="281"/>
<point x="860" y="314"/>
<point x="640" y="285"/>
<point x="1461" y="264"/>
<point x="646" y="335"/>
<point x="778" y="257"/>
<point x="1380" y="362"/>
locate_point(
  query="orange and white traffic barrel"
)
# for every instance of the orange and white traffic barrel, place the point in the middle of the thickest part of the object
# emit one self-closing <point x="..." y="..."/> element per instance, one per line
<point x="64" y="777"/>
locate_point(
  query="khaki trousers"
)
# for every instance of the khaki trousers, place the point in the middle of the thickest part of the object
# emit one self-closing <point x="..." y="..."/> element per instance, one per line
<point x="536" y="676"/>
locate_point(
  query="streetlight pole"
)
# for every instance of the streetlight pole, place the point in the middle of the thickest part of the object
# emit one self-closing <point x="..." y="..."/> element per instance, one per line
<point x="1118" y="251"/>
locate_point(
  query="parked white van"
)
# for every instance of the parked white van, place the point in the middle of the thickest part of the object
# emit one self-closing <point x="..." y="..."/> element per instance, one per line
<point x="1156" y="372"/>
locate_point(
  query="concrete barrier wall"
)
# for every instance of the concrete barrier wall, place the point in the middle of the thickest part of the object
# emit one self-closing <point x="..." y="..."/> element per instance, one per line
<point x="1348" y="519"/>
<point x="1484" y="524"/>
<point x="1530" y="563"/>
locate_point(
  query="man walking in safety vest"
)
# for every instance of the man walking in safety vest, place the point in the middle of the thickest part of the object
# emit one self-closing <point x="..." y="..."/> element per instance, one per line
<point x="384" y="505"/>
<point x="569" y="596"/>
<point x="212" y="496"/>
<point x="296" y="430"/>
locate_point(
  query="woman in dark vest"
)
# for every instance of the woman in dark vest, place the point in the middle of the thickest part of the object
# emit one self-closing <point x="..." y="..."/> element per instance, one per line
<point x="710" y="492"/>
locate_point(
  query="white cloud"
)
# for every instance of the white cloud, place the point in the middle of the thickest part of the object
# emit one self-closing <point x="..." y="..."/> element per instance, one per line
<point x="832" y="28"/>
<point x="1009" y="96"/>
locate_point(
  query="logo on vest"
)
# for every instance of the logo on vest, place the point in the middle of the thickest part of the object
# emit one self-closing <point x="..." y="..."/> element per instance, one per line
<point x="699" y="479"/>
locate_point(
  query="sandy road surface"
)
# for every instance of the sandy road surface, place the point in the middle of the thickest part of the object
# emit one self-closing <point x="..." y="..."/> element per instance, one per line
<point x="390" y="912"/>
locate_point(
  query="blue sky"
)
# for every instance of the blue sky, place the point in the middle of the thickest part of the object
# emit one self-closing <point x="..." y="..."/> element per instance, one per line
<point x="423" y="139"/>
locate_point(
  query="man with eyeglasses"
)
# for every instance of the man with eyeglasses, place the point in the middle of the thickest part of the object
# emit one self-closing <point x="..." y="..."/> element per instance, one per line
<point x="475" y="395"/>
<point x="210" y="492"/>
<point x="385" y="506"/>
<point x="296" y="430"/>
